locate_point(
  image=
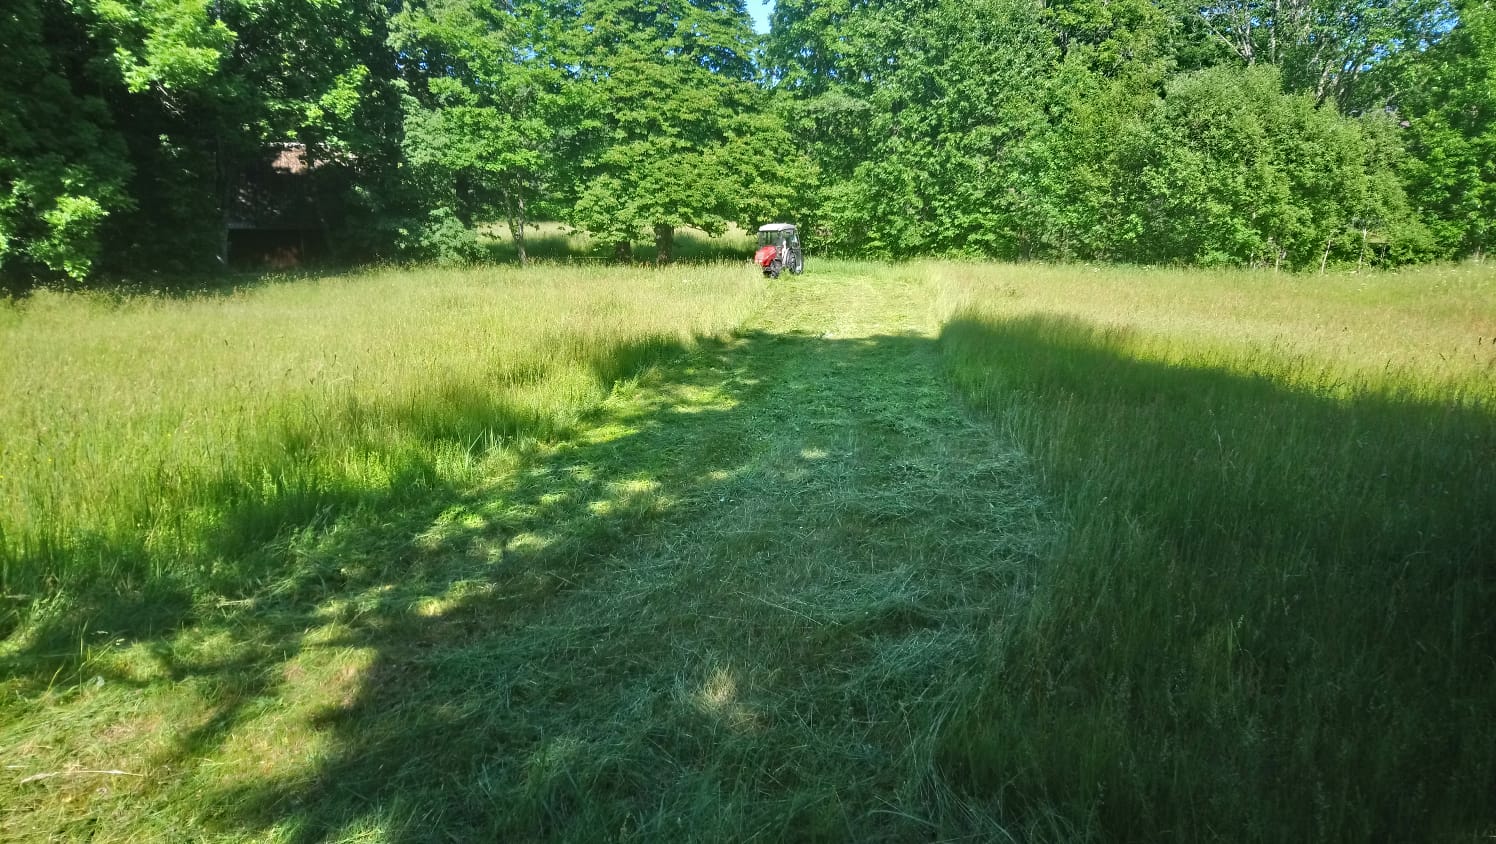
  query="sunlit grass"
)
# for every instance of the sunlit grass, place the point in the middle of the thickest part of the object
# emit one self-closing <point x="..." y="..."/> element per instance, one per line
<point x="1271" y="606"/>
<point x="552" y="241"/>
<point x="1430" y="328"/>
<point x="150" y="438"/>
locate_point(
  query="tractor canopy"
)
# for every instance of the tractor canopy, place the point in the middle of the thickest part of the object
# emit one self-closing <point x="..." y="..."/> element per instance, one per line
<point x="777" y="234"/>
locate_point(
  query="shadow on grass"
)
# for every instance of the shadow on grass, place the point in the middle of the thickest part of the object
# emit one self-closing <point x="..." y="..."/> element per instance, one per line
<point x="512" y="660"/>
<point x="533" y="670"/>
<point x="1274" y="611"/>
<point x="387" y="456"/>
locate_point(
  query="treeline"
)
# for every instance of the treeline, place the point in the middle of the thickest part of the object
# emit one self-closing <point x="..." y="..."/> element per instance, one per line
<point x="1289" y="133"/>
<point x="1263" y="132"/>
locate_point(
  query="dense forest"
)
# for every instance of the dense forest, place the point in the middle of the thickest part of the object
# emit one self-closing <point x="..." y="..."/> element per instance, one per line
<point x="1281" y="133"/>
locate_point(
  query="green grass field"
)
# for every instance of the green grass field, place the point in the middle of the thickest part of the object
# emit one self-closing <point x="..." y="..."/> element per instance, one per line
<point x="917" y="552"/>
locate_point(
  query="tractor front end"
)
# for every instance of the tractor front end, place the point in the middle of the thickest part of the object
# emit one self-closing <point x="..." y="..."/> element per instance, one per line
<point x="765" y="255"/>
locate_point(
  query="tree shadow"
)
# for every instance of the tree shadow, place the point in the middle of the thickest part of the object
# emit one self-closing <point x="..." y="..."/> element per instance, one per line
<point x="1272" y="612"/>
<point x="274" y="502"/>
<point x="506" y="625"/>
<point x="695" y="616"/>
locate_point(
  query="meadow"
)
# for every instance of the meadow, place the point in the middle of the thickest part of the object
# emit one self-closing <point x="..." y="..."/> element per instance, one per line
<point x="923" y="551"/>
<point x="156" y="440"/>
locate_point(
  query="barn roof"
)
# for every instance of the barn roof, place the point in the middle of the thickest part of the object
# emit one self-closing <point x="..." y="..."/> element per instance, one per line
<point x="289" y="158"/>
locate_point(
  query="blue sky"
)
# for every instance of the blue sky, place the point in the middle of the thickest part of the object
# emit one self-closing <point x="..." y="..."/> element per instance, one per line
<point x="760" y="9"/>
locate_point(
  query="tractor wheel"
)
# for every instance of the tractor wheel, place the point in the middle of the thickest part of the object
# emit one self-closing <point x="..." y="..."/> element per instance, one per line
<point x="798" y="266"/>
<point x="774" y="269"/>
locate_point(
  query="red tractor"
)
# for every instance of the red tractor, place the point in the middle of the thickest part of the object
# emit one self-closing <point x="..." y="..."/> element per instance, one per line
<point x="779" y="250"/>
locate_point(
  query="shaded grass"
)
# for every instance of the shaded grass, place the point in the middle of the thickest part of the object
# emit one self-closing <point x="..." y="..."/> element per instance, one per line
<point x="1272" y="612"/>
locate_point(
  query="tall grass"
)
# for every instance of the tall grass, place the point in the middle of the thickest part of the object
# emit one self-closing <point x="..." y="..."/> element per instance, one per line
<point x="1273" y="610"/>
<point x="1235" y="583"/>
<point x="550" y="241"/>
<point x="152" y="440"/>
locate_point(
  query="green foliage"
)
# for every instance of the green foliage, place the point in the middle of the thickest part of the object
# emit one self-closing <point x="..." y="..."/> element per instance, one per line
<point x="176" y="44"/>
<point x="1326" y="48"/>
<point x="677" y="132"/>
<point x="184" y="96"/>
<point x="1115" y="37"/>
<point x="914" y="153"/>
<point x="1088" y="130"/>
<point x="1139" y="130"/>
<point x="315" y="73"/>
<point x="444" y="239"/>
<point x="485" y="122"/>
<point x="63" y="169"/>
<point x="1448" y="98"/>
<point x="1241" y="173"/>
<point x="1072" y="188"/>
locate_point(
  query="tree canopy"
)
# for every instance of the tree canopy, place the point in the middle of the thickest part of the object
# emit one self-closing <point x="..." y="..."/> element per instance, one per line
<point x="1291" y="133"/>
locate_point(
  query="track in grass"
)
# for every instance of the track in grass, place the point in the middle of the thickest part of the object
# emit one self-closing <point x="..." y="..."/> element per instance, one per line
<point x="738" y="604"/>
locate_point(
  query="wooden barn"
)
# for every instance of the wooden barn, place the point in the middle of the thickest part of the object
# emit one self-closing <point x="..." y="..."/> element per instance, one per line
<point x="274" y="220"/>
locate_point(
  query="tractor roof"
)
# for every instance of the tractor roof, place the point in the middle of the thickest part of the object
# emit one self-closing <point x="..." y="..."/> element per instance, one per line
<point x="777" y="227"/>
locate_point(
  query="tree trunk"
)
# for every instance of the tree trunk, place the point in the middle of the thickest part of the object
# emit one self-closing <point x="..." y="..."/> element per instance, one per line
<point x="328" y="242"/>
<point x="461" y="209"/>
<point x="517" y="226"/>
<point x="225" y="183"/>
<point x="623" y="251"/>
<point x="664" y="242"/>
<point x="223" y="240"/>
<point x="1325" y="259"/>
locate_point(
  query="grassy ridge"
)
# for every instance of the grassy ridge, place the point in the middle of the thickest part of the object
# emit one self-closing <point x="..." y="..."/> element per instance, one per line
<point x="161" y="442"/>
<point x="1274" y="604"/>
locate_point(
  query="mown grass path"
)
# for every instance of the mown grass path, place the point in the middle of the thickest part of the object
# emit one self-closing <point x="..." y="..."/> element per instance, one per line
<point x="738" y="604"/>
